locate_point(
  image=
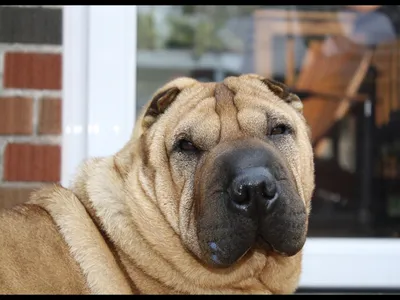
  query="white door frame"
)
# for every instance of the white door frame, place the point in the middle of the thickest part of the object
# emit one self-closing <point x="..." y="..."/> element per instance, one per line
<point x="99" y="97"/>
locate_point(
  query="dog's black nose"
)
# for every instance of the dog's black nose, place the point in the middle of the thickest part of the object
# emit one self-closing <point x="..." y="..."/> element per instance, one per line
<point x="253" y="188"/>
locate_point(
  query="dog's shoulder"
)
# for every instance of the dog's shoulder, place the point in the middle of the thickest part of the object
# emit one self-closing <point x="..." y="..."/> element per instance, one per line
<point x="24" y="218"/>
<point x="34" y="252"/>
<point x="26" y="226"/>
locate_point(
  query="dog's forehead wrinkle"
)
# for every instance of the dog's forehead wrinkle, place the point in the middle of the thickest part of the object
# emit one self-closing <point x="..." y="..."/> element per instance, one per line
<point x="196" y="93"/>
<point x="227" y="112"/>
<point x="251" y="85"/>
<point x="190" y="100"/>
<point x="199" y="124"/>
<point x="223" y="92"/>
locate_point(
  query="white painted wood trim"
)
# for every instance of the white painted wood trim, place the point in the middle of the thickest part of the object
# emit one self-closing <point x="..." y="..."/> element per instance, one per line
<point x="112" y="78"/>
<point x="351" y="263"/>
<point x="74" y="93"/>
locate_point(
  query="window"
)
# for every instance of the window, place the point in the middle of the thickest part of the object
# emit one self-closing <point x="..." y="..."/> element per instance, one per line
<point x="343" y="62"/>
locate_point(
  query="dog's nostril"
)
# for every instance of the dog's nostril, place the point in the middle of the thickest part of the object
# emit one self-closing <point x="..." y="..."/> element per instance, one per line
<point x="269" y="190"/>
<point x="240" y="193"/>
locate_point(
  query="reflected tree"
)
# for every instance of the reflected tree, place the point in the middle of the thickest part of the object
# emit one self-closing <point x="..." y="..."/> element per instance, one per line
<point x="199" y="27"/>
<point x="146" y="31"/>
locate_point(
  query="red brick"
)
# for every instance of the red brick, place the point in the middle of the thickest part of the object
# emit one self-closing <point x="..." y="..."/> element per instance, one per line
<point x="15" y="115"/>
<point x="49" y="116"/>
<point x="13" y="196"/>
<point x="28" y="162"/>
<point x="32" y="71"/>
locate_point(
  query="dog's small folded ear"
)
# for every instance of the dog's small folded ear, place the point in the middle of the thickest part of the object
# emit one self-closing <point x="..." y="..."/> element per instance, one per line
<point x="158" y="105"/>
<point x="283" y="92"/>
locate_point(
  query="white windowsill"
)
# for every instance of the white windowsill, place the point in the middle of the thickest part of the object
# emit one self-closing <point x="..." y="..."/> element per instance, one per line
<point x="351" y="263"/>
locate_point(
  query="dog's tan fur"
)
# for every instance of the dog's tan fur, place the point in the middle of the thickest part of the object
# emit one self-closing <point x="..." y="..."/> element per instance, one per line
<point x="124" y="225"/>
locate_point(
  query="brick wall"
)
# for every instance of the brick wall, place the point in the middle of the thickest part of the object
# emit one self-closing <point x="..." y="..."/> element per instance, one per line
<point x="30" y="100"/>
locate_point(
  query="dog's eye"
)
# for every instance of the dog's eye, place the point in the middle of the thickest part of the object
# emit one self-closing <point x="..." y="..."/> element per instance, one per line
<point x="185" y="145"/>
<point x="280" y="129"/>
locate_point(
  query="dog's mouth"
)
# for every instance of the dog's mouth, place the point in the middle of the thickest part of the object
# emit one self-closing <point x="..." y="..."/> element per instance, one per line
<point x="276" y="235"/>
<point x="225" y="246"/>
<point x="221" y="258"/>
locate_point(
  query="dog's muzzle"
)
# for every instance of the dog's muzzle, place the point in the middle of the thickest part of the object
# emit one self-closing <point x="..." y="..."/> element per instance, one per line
<point x="251" y="200"/>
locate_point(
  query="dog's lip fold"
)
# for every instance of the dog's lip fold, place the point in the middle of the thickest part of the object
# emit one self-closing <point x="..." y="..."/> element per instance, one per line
<point x="268" y="247"/>
<point x="271" y="248"/>
<point x="264" y="244"/>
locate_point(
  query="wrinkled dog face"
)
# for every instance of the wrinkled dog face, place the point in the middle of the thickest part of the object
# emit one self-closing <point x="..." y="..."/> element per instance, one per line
<point x="241" y="165"/>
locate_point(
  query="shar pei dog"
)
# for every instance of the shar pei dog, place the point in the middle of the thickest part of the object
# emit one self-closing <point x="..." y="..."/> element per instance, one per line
<point x="211" y="195"/>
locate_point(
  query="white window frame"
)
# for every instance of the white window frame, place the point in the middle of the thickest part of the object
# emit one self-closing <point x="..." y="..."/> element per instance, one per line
<point x="99" y="100"/>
